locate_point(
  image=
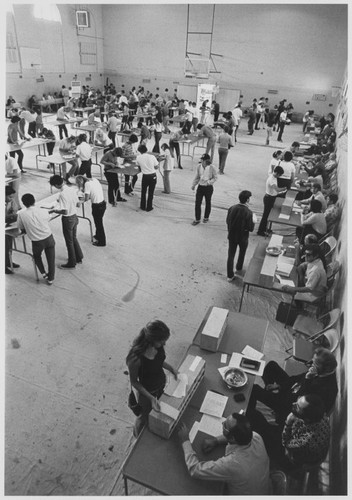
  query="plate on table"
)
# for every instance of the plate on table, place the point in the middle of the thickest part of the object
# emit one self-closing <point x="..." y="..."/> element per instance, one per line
<point x="274" y="251"/>
<point x="235" y="378"/>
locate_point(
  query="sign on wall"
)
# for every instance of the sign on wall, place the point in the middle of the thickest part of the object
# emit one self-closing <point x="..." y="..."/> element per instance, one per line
<point x="76" y="88"/>
<point x="205" y="92"/>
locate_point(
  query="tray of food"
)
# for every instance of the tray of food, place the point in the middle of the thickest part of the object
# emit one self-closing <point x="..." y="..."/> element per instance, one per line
<point x="235" y="378"/>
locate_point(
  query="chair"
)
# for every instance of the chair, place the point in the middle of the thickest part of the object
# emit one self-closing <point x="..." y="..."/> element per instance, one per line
<point x="328" y="246"/>
<point x="307" y="470"/>
<point x="279" y="482"/>
<point x="308" y="326"/>
<point x="303" y="349"/>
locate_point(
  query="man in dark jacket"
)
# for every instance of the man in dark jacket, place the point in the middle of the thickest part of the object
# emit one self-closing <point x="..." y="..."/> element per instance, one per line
<point x="281" y="390"/>
<point x="239" y="222"/>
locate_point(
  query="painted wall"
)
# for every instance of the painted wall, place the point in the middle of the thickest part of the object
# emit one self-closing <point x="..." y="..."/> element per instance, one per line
<point x="298" y="50"/>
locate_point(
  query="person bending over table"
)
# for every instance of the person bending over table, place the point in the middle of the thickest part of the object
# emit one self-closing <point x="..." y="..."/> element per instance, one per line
<point x="175" y="146"/>
<point x="92" y="189"/>
<point x="288" y="176"/>
<point x="110" y="161"/>
<point x="304" y="438"/>
<point x="145" y="362"/>
<point x="245" y="466"/>
<point x="129" y="154"/>
<point x="312" y="279"/>
<point x="281" y="389"/>
<point x="271" y="192"/>
<point x="62" y="116"/>
<point x="102" y="139"/>
<point x="13" y="134"/>
<point x="207" y="131"/>
<point x="67" y="146"/>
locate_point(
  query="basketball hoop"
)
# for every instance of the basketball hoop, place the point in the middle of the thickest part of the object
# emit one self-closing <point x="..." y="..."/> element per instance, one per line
<point x="196" y="68"/>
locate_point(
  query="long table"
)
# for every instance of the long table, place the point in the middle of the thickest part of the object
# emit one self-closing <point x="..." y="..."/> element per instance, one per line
<point x="158" y="463"/>
<point x="190" y="140"/>
<point x="284" y="212"/>
<point x="261" y="269"/>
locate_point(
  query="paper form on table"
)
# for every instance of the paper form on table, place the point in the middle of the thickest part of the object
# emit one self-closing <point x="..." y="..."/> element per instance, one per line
<point x="214" y="404"/>
<point x="193" y="431"/>
<point x="176" y="388"/>
<point x="223" y="358"/>
<point x="211" y="425"/>
<point x="252" y="353"/>
<point x="195" y="363"/>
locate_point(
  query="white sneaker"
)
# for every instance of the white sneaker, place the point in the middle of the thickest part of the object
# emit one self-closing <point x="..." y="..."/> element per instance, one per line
<point x="230" y="279"/>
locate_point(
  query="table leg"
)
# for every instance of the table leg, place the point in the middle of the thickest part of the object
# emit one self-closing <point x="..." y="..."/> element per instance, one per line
<point x="83" y="216"/>
<point x="243" y="287"/>
<point x="126" y="486"/>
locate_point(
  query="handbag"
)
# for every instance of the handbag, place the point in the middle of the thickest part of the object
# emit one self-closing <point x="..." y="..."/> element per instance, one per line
<point x="133" y="403"/>
<point x="286" y="313"/>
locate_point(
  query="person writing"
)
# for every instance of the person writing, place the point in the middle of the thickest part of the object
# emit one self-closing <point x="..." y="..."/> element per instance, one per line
<point x="271" y="192"/>
<point x="146" y="363"/>
<point x="244" y="467"/>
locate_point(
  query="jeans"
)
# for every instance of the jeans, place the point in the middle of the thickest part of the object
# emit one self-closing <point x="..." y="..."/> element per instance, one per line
<point x="113" y="186"/>
<point x="130" y="181"/>
<point x="86" y="168"/>
<point x="222" y="158"/>
<point x="32" y="129"/>
<point x="156" y="148"/>
<point x="175" y="148"/>
<point x="62" y="131"/>
<point x="211" y="147"/>
<point x="20" y="156"/>
<point x="112" y="136"/>
<point x="268" y="205"/>
<point x="48" y="245"/>
<point x="148" y="184"/>
<point x="69" y="229"/>
<point x="50" y="147"/>
<point x="281" y="130"/>
<point x="98" y="211"/>
<point x="243" y="244"/>
<point x="207" y="193"/>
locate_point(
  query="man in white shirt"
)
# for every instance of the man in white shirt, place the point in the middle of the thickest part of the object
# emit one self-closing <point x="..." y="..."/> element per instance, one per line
<point x="66" y="206"/>
<point x="92" y="189"/>
<point x="204" y="179"/>
<point x="282" y="123"/>
<point x="148" y="165"/>
<point x="62" y="116"/>
<point x="30" y="116"/>
<point x="112" y="124"/>
<point x="271" y="192"/>
<point x="237" y="115"/>
<point x="34" y="221"/>
<point x="84" y="152"/>
<point x="245" y="466"/>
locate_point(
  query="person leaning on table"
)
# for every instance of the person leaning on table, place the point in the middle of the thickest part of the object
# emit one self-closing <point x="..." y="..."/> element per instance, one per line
<point x="145" y="362"/>
<point x="271" y="192"/>
<point x="244" y="467"/>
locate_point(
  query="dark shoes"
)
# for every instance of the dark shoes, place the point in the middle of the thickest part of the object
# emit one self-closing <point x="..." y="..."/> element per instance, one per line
<point x="261" y="233"/>
<point x="8" y="271"/>
<point x="66" y="266"/>
<point x="195" y="222"/>
<point x="149" y="209"/>
<point x="121" y="199"/>
<point x="180" y="167"/>
<point x="97" y="244"/>
<point x="15" y="266"/>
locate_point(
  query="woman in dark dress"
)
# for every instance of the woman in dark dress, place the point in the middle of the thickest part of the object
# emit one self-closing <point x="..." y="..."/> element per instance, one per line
<point x="145" y="361"/>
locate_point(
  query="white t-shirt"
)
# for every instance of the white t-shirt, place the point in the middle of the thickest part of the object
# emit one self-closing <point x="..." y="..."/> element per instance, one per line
<point x="84" y="151"/>
<point x="289" y="169"/>
<point x="11" y="166"/>
<point x="94" y="190"/>
<point x="237" y="115"/>
<point x="147" y="163"/>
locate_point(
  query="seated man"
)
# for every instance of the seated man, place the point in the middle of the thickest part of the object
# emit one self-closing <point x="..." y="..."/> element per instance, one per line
<point x="317" y="195"/>
<point x="332" y="213"/>
<point x="313" y="222"/>
<point x="305" y="436"/>
<point x="281" y="389"/>
<point x="312" y="279"/>
<point x="67" y="146"/>
<point x="244" y="467"/>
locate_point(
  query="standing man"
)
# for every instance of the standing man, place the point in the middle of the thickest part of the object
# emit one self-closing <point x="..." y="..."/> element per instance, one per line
<point x="11" y="208"/>
<point x="13" y="131"/>
<point x="67" y="207"/>
<point x="282" y="123"/>
<point x="244" y="467"/>
<point x="237" y="116"/>
<point x="251" y="118"/>
<point x="62" y="116"/>
<point x="92" y="189"/>
<point x="271" y="192"/>
<point x="240" y="221"/>
<point x="204" y="180"/>
<point x="34" y="221"/>
<point x="148" y="165"/>
<point x="207" y="131"/>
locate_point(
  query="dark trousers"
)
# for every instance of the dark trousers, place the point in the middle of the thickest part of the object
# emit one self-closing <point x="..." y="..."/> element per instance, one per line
<point x="86" y="168"/>
<point x="268" y="205"/>
<point x="20" y="156"/>
<point x="32" y="129"/>
<point x="98" y="211"/>
<point x="113" y="186"/>
<point x="148" y="185"/>
<point x="8" y="247"/>
<point x="203" y="192"/>
<point x="146" y="409"/>
<point x="243" y="244"/>
<point x="250" y="125"/>
<point x="112" y="136"/>
<point x="157" y="135"/>
<point x="281" y="130"/>
<point x="69" y="229"/>
<point x="222" y="158"/>
<point x="194" y="124"/>
<point x="130" y="181"/>
<point x="50" y="147"/>
<point x="187" y="127"/>
<point x="48" y="245"/>
<point x="175" y="148"/>
<point x="281" y="401"/>
<point x="62" y="131"/>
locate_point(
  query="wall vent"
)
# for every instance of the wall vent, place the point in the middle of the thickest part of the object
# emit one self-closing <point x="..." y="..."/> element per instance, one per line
<point x="146" y="80"/>
<point x="273" y="91"/>
<point x="319" y="97"/>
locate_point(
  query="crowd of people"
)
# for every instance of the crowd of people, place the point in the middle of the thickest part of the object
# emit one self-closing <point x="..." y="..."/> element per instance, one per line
<point x="301" y="404"/>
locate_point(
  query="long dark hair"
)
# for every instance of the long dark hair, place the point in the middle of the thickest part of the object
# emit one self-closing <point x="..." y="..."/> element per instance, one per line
<point x="154" y="331"/>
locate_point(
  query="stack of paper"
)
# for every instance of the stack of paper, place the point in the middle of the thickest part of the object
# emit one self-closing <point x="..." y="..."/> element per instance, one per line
<point x="283" y="268"/>
<point x="214" y="404"/>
